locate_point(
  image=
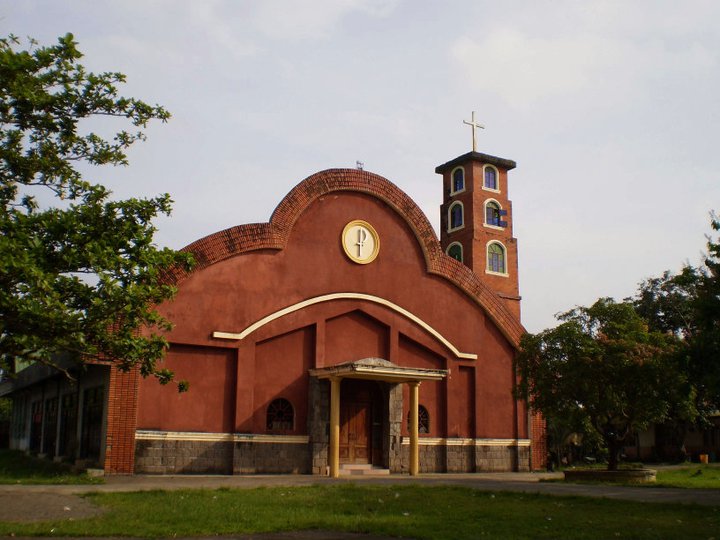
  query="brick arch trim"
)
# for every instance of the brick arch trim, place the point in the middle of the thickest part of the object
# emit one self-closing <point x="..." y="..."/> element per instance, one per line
<point x="274" y="235"/>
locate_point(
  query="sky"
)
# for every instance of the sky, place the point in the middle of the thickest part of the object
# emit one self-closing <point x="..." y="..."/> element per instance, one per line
<point x="611" y="110"/>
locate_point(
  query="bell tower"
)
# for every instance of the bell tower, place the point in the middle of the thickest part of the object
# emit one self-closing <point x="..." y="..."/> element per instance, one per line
<point x="476" y="225"/>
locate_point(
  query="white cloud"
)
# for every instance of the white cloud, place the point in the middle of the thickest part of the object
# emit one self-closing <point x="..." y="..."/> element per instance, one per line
<point x="292" y="19"/>
<point x="598" y="53"/>
<point x="524" y="69"/>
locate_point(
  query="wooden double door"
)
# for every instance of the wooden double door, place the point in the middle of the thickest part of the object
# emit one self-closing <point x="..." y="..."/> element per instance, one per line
<point x="361" y="422"/>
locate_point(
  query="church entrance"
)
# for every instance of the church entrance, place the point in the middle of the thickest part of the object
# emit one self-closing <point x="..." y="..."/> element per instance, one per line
<point x="361" y="414"/>
<point x="363" y="425"/>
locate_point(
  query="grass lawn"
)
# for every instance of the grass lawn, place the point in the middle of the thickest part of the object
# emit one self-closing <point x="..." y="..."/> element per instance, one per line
<point x="697" y="476"/>
<point x="692" y="476"/>
<point x="408" y="511"/>
<point x="18" y="468"/>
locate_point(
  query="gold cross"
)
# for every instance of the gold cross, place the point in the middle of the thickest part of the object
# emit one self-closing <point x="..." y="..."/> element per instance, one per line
<point x="474" y="125"/>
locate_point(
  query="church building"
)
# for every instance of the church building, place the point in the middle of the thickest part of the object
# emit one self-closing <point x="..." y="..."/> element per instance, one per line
<point x="340" y="337"/>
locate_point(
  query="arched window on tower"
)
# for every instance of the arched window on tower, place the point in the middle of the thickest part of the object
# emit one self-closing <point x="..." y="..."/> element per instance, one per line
<point x="280" y="416"/>
<point x="455" y="250"/>
<point x="423" y="420"/>
<point x="490" y="177"/>
<point x="455" y="215"/>
<point x="492" y="214"/>
<point x="496" y="258"/>
<point x="458" y="180"/>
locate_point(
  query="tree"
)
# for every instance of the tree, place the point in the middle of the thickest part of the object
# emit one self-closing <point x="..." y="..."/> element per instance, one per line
<point x="602" y="366"/>
<point x="704" y="344"/>
<point x="79" y="277"/>
<point x="688" y="305"/>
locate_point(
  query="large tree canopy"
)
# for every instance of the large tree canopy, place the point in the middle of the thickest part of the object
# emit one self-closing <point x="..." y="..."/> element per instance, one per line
<point x="79" y="276"/>
<point x="688" y="305"/>
<point x="602" y="366"/>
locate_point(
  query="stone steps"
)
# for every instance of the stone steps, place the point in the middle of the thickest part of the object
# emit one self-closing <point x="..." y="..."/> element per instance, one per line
<point x="362" y="469"/>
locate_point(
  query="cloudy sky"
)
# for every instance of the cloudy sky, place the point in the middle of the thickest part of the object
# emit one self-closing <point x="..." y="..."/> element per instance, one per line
<point x="611" y="110"/>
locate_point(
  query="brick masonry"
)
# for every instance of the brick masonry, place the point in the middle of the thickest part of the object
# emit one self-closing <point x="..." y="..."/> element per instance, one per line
<point x="539" y="442"/>
<point x="247" y="456"/>
<point x="275" y="235"/>
<point x="121" y="421"/>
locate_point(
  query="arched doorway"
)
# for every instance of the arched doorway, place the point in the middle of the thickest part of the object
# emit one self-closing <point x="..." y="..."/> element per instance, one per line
<point x="362" y="416"/>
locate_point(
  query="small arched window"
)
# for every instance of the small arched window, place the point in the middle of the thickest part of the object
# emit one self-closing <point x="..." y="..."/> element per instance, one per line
<point x="492" y="214"/>
<point x="280" y="416"/>
<point x="423" y="420"/>
<point x="455" y="250"/>
<point x="490" y="178"/>
<point x="455" y="215"/>
<point x="458" y="180"/>
<point x="496" y="258"/>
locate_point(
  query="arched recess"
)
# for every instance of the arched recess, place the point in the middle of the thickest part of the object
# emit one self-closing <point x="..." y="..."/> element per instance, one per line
<point x="275" y="234"/>
<point x="346" y="296"/>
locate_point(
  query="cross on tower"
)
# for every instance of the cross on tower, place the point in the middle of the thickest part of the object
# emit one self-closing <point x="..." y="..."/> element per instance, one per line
<point x="474" y="125"/>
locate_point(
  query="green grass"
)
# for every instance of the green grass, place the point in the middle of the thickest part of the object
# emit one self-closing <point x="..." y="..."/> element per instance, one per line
<point x="696" y="476"/>
<point x="409" y="511"/>
<point x="693" y="476"/>
<point x="18" y="468"/>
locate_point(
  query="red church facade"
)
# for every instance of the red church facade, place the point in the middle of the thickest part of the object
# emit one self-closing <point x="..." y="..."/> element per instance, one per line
<point x="341" y="334"/>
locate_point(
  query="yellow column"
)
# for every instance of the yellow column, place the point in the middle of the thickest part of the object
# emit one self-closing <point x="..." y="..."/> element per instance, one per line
<point x="334" y="450"/>
<point x="414" y="452"/>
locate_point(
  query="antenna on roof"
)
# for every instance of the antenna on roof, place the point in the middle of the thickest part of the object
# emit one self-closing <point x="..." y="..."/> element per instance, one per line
<point x="359" y="165"/>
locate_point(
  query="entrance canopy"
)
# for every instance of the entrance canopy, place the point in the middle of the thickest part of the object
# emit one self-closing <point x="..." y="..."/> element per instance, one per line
<point x="377" y="369"/>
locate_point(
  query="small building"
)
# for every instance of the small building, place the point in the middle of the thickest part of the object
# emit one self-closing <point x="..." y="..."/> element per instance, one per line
<point x="341" y="334"/>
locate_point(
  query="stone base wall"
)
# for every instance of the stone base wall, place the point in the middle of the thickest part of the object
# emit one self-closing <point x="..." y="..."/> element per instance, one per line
<point x="465" y="458"/>
<point x="163" y="456"/>
<point x="460" y="459"/>
<point x="183" y="457"/>
<point x="502" y="458"/>
<point x="432" y="459"/>
<point x="271" y="458"/>
<point x="220" y="457"/>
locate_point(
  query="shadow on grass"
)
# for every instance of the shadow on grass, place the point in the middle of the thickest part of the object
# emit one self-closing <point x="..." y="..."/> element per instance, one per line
<point x="18" y="468"/>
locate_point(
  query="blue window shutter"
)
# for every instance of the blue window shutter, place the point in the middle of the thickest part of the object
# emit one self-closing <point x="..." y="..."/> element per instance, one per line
<point x="503" y="212"/>
<point x="502" y="223"/>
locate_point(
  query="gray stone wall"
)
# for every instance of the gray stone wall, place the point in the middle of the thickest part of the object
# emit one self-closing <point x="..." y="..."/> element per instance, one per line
<point x="395" y="414"/>
<point x="468" y="458"/>
<point x="201" y="457"/>
<point x="432" y="458"/>
<point x="502" y="458"/>
<point x="207" y="457"/>
<point x="460" y="459"/>
<point x="271" y="458"/>
<point x="183" y="457"/>
<point x="319" y="424"/>
<point x="523" y="464"/>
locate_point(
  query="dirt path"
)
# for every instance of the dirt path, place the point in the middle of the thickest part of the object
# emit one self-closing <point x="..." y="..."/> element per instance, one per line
<point x="22" y="506"/>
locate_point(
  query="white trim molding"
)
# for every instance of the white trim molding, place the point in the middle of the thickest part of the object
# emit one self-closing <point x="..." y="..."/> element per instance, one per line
<point x="152" y="435"/>
<point x="455" y="441"/>
<point x="346" y="296"/>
